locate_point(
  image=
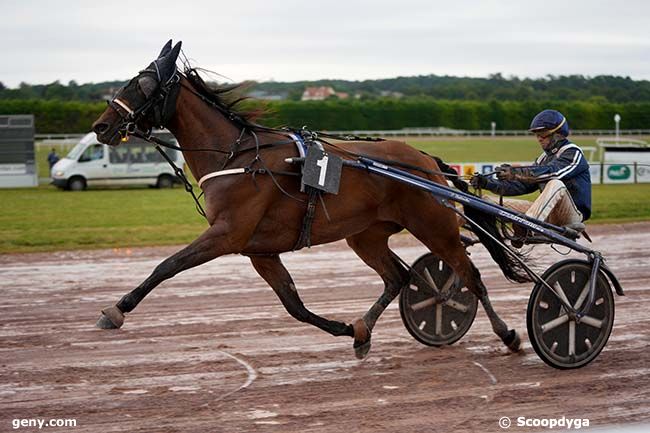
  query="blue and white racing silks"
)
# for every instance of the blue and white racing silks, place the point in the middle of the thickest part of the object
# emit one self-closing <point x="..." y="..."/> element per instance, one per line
<point x="565" y="162"/>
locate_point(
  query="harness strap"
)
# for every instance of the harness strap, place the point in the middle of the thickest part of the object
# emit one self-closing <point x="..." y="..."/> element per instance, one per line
<point x="304" y="240"/>
<point x="221" y="173"/>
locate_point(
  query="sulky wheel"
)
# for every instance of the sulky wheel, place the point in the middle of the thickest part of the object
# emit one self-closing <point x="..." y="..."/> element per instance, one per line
<point x="436" y="309"/>
<point x="561" y="341"/>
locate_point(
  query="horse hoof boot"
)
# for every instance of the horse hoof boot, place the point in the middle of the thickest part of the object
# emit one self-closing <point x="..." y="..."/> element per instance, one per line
<point x="111" y="318"/>
<point x="361" y="339"/>
<point x="513" y="341"/>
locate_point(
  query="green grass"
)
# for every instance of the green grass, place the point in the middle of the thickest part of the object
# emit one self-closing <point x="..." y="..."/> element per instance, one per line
<point x="620" y="203"/>
<point x="490" y="149"/>
<point x="47" y="219"/>
<point x="479" y="149"/>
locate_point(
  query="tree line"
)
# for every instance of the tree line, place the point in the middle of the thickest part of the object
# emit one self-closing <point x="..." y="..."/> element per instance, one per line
<point x="472" y="115"/>
<point x="91" y="92"/>
<point x="54" y="116"/>
<point x="495" y="87"/>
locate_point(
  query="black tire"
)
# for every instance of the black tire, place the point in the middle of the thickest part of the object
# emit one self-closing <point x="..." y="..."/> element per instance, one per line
<point x="430" y="322"/>
<point x="165" y="181"/>
<point x="550" y="329"/>
<point x="77" y="183"/>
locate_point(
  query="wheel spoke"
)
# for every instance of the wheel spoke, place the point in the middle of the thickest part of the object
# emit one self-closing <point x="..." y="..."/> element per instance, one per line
<point x="588" y="320"/>
<point x="457" y="305"/>
<point x="572" y="338"/>
<point x="555" y="323"/>
<point x="448" y="283"/>
<point x="560" y="292"/>
<point x="438" y="328"/>
<point x="423" y="304"/>
<point x="431" y="282"/>
<point x="582" y="297"/>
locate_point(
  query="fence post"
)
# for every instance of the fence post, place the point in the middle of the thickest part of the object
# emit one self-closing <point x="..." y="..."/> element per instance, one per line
<point x="635" y="171"/>
<point x="602" y="172"/>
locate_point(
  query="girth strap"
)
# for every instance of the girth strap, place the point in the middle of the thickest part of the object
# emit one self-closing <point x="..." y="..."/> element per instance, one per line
<point x="304" y="240"/>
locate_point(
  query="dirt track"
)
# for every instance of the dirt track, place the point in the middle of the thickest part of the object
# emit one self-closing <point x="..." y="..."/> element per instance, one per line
<point x="213" y="349"/>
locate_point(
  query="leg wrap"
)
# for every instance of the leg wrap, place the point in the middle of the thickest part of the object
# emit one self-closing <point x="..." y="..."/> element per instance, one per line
<point x="498" y="326"/>
<point x="378" y="307"/>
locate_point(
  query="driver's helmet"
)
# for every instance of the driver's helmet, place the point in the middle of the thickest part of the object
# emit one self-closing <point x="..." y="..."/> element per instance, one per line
<point x="548" y="122"/>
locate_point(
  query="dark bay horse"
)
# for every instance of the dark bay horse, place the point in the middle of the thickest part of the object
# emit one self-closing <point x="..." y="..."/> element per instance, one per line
<point x="260" y="215"/>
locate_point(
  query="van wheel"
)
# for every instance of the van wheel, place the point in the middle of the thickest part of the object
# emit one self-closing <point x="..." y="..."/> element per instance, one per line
<point x="165" y="181"/>
<point x="77" y="184"/>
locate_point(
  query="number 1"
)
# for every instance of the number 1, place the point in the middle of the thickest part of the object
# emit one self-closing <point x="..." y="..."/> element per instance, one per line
<point x="322" y="163"/>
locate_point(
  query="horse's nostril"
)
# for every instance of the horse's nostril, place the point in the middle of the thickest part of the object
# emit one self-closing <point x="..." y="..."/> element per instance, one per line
<point x="100" y="128"/>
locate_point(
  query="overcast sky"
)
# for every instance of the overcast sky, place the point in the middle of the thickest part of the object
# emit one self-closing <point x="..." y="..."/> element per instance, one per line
<point x="290" y="40"/>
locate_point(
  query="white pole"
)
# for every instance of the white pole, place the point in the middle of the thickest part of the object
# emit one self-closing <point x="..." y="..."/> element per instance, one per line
<point x="617" y="120"/>
<point x="494" y="128"/>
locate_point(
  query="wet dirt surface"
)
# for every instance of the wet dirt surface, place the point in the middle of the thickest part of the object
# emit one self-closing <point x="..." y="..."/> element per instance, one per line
<point x="213" y="349"/>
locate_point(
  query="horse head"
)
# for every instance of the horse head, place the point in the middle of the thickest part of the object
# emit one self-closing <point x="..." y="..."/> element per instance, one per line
<point x="147" y="101"/>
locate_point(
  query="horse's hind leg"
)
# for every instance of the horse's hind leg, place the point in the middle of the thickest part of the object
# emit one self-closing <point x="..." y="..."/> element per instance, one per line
<point x="276" y="275"/>
<point x="509" y="337"/>
<point x="441" y="236"/>
<point x="372" y="247"/>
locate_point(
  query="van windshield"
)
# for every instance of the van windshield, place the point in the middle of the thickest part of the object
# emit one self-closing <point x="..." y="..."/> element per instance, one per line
<point x="79" y="148"/>
<point x="76" y="151"/>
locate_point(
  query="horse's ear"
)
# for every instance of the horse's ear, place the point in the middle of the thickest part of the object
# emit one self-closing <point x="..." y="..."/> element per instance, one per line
<point x="167" y="65"/>
<point x="166" y="49"/>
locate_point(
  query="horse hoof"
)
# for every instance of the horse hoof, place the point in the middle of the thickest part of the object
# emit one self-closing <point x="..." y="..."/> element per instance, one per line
<point x="362" y="351"/>
<point x="361" y="339"/>
<point x="513" y="341"/>
<point x="111" y="318"/>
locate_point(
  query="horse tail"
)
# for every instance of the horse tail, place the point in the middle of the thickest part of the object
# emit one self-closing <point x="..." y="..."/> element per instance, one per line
<point x="488" y="232"/>
<point x="451" y="175"/>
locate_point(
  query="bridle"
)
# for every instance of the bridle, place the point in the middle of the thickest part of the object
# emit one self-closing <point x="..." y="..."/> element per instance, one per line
<point x="161" y="104"/>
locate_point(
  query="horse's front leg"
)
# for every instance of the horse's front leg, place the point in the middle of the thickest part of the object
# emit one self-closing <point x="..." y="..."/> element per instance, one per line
<point x="216" y="241"/>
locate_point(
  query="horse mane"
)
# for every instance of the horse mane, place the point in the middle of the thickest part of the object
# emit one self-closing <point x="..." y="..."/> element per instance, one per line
<point x="228" y="98"/>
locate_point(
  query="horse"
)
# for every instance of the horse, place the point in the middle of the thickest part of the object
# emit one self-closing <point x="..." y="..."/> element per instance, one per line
<point x="258" y="210"/>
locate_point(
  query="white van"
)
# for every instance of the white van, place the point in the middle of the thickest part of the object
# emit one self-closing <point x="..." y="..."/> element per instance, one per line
<point x="135" y="162"/>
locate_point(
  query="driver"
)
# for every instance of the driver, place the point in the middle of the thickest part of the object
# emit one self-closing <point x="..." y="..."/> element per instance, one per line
<point x="561" y="172"/>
